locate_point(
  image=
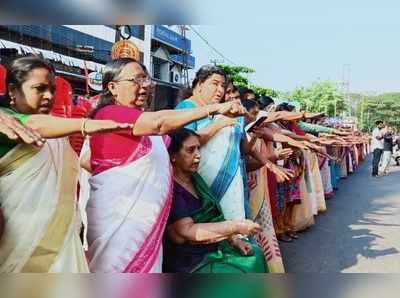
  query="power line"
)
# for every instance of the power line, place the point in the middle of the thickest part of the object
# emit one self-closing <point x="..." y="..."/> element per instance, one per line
<point x="211" y="46"/>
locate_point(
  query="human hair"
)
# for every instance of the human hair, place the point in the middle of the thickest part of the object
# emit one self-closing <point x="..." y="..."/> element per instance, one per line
<point x="234" y="87"/>
<point x="264" y="101"/>
<point x="18" y="71"/>
<point x="245" y="90"/>
<point x="285" y="107"/>
<point x="249" y="104"/>
<point x="377" y="122"/>
<point x="178" y="137"/>
<point x="111" y="72"/>
<point x="201" y="76"/>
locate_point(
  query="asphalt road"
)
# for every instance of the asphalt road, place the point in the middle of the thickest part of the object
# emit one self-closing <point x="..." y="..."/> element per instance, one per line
<point x="360" y="232"/>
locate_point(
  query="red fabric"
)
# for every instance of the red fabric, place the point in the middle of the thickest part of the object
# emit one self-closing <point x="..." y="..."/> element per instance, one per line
<point x="294" y="127"/>
<point x="113" y="149"/>
<point x="62" y="98"/>
<point x="3" y="74"/>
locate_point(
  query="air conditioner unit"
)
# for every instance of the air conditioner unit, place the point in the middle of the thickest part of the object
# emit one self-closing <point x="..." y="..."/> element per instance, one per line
<point x="176" y="77"/>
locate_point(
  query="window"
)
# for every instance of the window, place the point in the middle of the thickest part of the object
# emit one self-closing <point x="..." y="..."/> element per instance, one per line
<point x="136" y="31"/>
<point x="157" y="68"/>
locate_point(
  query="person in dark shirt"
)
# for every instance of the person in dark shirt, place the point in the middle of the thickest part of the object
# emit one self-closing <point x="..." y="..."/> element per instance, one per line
<point x="197" y="237"/>
<point x="387" y="151"/>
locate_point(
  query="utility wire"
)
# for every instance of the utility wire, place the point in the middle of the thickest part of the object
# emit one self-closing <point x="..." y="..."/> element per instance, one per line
<point x="211" y="46"/>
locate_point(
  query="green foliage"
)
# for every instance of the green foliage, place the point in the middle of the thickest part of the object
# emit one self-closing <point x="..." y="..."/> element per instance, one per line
<point x="384" y="107"/>
<point x="238" y="75"/>
<point x="321" y="96"/>
<point x="264" y="91"/>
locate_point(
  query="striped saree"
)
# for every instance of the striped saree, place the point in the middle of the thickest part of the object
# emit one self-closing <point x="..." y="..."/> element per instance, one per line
<point x="37" y="194"/>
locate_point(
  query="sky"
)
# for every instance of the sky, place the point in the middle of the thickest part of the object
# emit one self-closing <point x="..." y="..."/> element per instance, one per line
<point x="293" y="43"/>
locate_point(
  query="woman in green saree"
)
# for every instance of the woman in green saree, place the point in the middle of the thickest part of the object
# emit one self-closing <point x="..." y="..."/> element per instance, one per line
<point x="198" y="238"/>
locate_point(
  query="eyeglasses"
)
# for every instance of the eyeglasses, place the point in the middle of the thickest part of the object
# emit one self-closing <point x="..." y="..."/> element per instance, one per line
<point x="140" y="80"/>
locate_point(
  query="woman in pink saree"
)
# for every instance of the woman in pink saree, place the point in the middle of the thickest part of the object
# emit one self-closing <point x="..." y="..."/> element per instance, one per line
<point x="131" y="183"/>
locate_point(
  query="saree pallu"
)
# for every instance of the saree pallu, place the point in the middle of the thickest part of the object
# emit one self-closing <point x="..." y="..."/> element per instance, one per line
<point x="220" y="169"/>
<point x="38" y="198"/>
<point x="226" y="259"/>
<point x="325" y="175"/>
<point x="303" y="216"/>
<point x="309" y="181"/>
<point x="343" y="163"/>
<point x="127" y="213"/>
<point x="334" y="174"/>
<point x="318" y="188"/>
<point x="220" y="163"/>
<point x="260" y="208"/>
<point x="350" y="161"/>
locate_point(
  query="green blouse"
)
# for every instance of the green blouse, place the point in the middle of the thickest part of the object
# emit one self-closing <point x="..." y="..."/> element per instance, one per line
<point x="314" y="128"/>
<point x="5" y="143"/>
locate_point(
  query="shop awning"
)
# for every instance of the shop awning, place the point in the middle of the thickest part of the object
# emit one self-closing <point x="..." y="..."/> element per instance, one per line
<point x="50" y="55"/>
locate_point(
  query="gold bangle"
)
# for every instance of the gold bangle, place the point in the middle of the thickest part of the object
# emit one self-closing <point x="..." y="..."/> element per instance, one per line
<point x="83" y="126"/>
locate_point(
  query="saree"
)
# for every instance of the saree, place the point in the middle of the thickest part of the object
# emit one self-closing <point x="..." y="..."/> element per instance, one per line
<point x="317" y="186"/>
<point x="38" y="198"/>
<point x="325" y="176"/>
<point x="128" y="210"/>
<point x="226" y="259"/>
<point x="303" y="216"/>
<point x="260" y="210"/>
<point x="343" y="163"/>
<point x="220" y="164"/>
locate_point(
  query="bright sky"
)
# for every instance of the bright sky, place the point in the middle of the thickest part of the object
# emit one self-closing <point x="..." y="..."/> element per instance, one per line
<point x="292" y="43"/>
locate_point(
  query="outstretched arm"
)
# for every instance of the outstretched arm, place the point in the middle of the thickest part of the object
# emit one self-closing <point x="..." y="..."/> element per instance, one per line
<point x="163" y="122"/>
<point x="186" y="231"/>
<point x="55" y="127"/>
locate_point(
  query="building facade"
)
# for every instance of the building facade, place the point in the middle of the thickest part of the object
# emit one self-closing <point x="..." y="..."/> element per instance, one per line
<point x="78" y="50"/>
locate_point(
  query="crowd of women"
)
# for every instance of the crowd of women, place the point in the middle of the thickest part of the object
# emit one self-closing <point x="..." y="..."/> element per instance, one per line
<point x="210" y="186"/>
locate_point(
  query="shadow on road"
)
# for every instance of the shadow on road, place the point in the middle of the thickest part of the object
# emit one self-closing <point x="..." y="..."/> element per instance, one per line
<point x="347" y="231"/>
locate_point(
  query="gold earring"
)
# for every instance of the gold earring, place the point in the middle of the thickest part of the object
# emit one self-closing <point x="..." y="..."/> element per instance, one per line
<point x="12" y="101"/>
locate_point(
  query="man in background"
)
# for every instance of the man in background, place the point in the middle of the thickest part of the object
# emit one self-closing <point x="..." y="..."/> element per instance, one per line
<point x="387" y="151"/>
<point x="377" y="146"/>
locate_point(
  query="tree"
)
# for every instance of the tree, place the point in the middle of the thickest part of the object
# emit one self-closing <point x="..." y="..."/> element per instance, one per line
<point x="238" y="76"/>
<point x="321" y="96"/>
<point x="384" y="107"/>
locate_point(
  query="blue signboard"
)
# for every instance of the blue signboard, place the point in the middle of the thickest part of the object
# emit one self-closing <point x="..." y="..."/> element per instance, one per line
<point x="172" y="38"/>
<point x="184" y="59"/>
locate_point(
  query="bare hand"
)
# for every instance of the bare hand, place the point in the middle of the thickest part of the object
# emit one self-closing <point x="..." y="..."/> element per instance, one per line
<point x="342" y="133"/>
<point x="244" y="248"/>
<point x="232" y="109"/>
<point x="283" y="153"/>
<point x="246" y="227"/>
<point x="281" y="173"/>
<point x="297" y="144"/>
<point x="96" y="126"/>
<point x="15" y="130"/>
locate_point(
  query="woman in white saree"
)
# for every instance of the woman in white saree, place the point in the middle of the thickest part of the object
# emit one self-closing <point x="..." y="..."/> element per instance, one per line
<point x="38" y="184"/>
<point x="131" y="183"/>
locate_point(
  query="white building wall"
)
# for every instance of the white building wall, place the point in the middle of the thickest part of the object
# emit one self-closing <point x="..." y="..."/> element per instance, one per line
<point x="148" y="30"/>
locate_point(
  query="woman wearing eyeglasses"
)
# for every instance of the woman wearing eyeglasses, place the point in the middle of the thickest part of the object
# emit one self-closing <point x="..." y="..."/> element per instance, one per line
<point x="131" y="183"/>
<point x="37" y="176"/>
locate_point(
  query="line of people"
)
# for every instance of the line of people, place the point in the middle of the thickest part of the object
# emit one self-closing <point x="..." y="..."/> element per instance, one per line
<point x="210" y="186"/>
